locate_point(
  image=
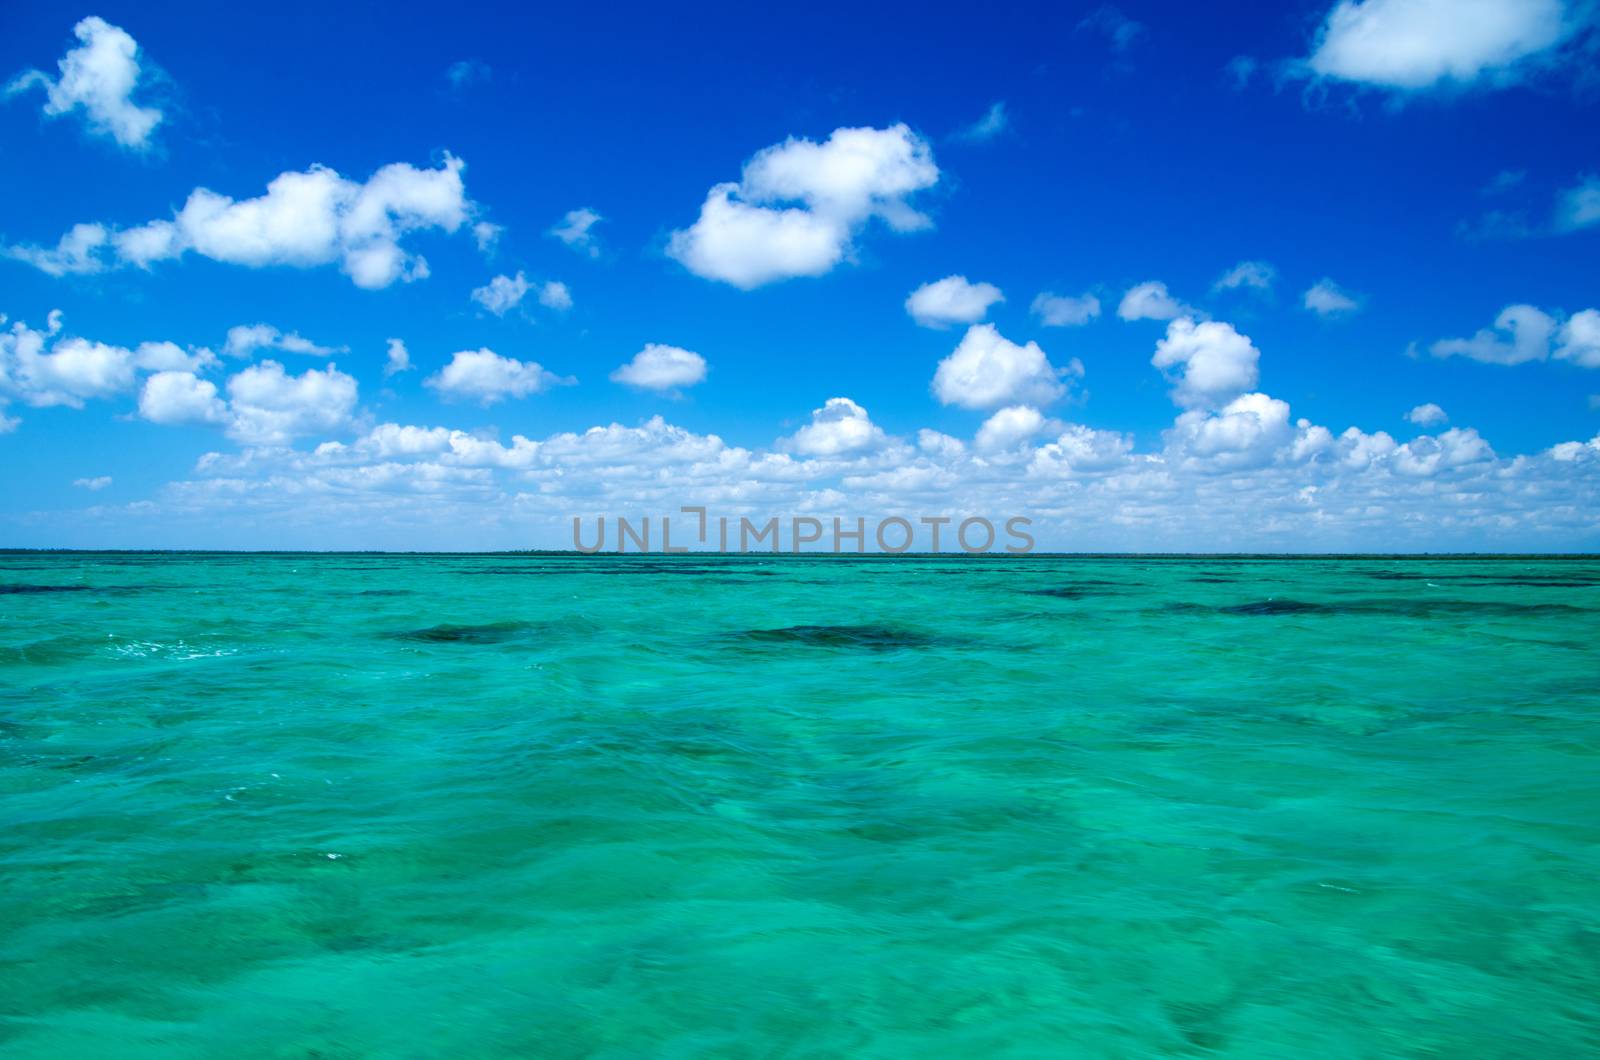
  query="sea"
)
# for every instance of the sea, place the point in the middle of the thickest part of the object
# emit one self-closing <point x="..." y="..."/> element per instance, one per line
<point x="556" y="805"/>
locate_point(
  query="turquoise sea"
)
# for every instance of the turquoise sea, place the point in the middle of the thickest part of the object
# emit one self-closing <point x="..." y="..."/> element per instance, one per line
<point x="535" y="805"/>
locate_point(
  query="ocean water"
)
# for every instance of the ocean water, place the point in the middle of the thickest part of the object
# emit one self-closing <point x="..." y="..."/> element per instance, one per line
<point x="559" y="806"/>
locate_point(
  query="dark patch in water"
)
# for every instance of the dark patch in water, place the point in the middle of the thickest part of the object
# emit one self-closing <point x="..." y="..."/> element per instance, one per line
<point x="1276" y="607"/>
<point x="1419" y="608"/>
<point x="1070" y="592"/>
<point x="867" y="638"/>
<point x="383" y="592"/>
<point x="1213" y="579"/>
<point x="19" y="589"/>
<point x="488" y="633"/>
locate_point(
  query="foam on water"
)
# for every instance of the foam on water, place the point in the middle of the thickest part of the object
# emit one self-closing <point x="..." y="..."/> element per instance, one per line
<point x="510" y="806"/>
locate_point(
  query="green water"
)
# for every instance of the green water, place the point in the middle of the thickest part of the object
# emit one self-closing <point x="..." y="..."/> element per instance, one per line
<point x="538" y="806"/>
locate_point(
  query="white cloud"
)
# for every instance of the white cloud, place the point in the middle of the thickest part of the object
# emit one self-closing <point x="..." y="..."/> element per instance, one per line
<point x="952" y="300"/>
<point x="304" y="219"/>
<point x="1150" y="301"/>
<point x="468" y="72"/>
<point x="1063" y="310"/>
<point x="1429" y="415"/>
<point x="994" y="122"/>
<point x="1427" y="456"/>
<point x="502" y="294"/>
<point x="746" y="237"/>
<point x="487" y="235"/>
<point x="397" y="360"/>
<point x="660" y="367"/>
<point x="1218" y="363"/>
<point x="93" y="485"/>
<point x="838" y="428"/>
<point x="77" y="252"/>
<point x="987" y="371"/>
<point x="245" y="339"/>
<point x="1249" y="431"/>
<point x="180" y="397"/>
<point x="100" y="76"/>
<point x="1120" y="30"/>
<point x="575" y="231"/>
<point x="1081" y="450"/>
<point x="485" y="376"/>
<point x="1521" y="333"/>
<point x="1579" y="206"/>
<point x="267" y="406"/>
<point x="1009" y="427"/>
<point x="554" y="295"/>
<point x="1408" y="45"/>
<point x="1327" y="299"/>
<point x="1578" y="340"/>
<point x="1255" y="274"/>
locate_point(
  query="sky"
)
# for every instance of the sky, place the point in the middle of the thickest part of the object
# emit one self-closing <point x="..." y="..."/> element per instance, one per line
<point x="1157" y="277"/>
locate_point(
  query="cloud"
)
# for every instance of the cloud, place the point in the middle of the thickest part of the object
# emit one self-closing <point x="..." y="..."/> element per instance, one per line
<point x="268" y="406"/>
<point x="1081" y="450"/>
<point x="1327" y="299"/>
<point x="486" y="377"/>
<point x="554" y="295"/>
<point x="99" y="77"/>
<point x="1429" y="415"/>
<point x="574" y="231"/>
<point x="838" y="428"/>
<point x="1010" y="427"/>
<point x="1150" y="301"/>
<point x="1241" y="69"/>
<point x="45" y="369"/>
<point x="76" y="253"/>
<point x="245" y="339"/>
<point x="994" y="122"/>
<point x="1579" y="206"/>
<point x="502" y="294"/>
<point x="397" y="360"/>
<point x="1063" y="310"/>
<point x="304" y="220"/>
<point x="1254" y="274"/>
<point x="1217" y="363"/>
<point x="99" y="482"/>
<point x="1250" y="431"/>
<point x="1412" y="45"/>
<point x="1120" y="30"/>
<point x="987" y="371"/>
<point x="175" y="398"/>
<point x="468" y="72"/>
<point x="660" y="367"/>
<point x="952" y="300"/>
<point x="1523" y="333"/>
<point x="746" y="237"/>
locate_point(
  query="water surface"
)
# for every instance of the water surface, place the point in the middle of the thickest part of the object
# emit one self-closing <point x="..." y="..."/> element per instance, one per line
<point x="559" y="806"/>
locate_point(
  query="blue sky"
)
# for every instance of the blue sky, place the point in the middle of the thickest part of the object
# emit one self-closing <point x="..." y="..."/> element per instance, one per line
<point x="1429" y="168"/>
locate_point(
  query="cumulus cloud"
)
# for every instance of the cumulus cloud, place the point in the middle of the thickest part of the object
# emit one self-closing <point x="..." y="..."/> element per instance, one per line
<point x="44" y="368"/>
<point x="554" y="295"/>
<point x="1410" y="45"/>
<point x="1150" y="301"/>
<point x="1327" y="299"/>
<point x="305" y="219"/>
<point x="840" y="427"/>
<point x="1009" y="427"/>
<point x="1429" y="415"/>
<point x="575" y="230"/>
<point x="245" y="339"/>
<point x="265" y="405"/>
<point x="1080" y="450"/>
<point x="486" y="377"/>
<point x="1064" y="310"/>
<point x="952" y="300"/>
<point x="1253" y="274"/>
<point x="1579" y="206"/>
<point x="502" y="294"/>
<point x="95" y="484"/>
<point x="987" y="370"/>
<point x="99" y="77"/>
<point x="1209" y="362"/>
<point x="1523" y="333"/>
<point x="177" y="397"/>
<point x="1119" y="30"/>
<point x="994" y="122"/>
<point x="397" y="359"/>
<point x="660" y="367"/>
<point x="746" y="235"/>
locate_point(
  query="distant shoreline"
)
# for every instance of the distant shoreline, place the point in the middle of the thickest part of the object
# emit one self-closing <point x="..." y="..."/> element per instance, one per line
<point x="809" y="555"/>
